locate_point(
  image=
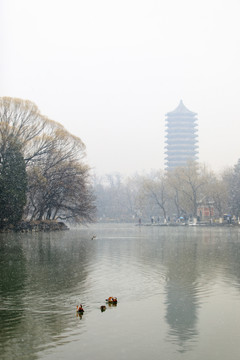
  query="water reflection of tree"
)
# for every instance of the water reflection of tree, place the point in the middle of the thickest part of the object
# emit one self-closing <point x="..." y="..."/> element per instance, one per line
<point x="39" y="273"/>
<point x="12" y="285"/>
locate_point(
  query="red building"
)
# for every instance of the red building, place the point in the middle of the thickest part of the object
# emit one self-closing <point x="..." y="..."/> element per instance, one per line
<point x="205" y="211"/>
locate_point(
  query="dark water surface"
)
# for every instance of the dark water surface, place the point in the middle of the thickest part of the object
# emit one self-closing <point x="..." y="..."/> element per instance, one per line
<point x="178" y="292"/>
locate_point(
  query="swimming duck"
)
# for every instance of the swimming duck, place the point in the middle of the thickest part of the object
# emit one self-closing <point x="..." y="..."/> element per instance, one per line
<point x="111" y="300"/>
<point x="93" y="237"/>
<point x="80" y="309"/>
<point x="103" y="308"/>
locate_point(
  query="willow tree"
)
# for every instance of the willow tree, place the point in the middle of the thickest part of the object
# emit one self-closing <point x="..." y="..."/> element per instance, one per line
<point x="37" y="135"/>
<point x="49" y="151"/>
<point x="21" y="120"/>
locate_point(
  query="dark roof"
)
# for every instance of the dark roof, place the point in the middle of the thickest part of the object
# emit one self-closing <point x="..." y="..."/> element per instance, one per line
<point x="181" y="110"/>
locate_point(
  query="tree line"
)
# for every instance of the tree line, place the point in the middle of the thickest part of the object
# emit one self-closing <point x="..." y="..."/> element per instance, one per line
<point x="173" y="194"/>
<point x="42" y="170"/>
<point x="43" y="176"/>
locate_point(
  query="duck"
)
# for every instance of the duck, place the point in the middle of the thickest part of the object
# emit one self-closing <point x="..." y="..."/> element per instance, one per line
<point x="93" y="237"/>
<point x="112" y="300"/>
<point x="80" y="309"/>
<point x="103" y="308"/>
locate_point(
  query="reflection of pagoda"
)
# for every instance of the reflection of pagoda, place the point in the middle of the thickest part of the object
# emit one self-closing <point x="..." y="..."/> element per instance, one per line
<point x="181" y="137"/>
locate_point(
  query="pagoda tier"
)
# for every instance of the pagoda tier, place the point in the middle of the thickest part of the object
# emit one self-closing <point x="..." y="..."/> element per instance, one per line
<point x="181" y="146"/>
<point x="181" y="138"/>
<point x="188" y="151"/>
<point x="181" y="141"/>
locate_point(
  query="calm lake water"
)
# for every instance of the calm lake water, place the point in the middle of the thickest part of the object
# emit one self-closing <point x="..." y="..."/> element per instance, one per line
<point x="178" y="292"/>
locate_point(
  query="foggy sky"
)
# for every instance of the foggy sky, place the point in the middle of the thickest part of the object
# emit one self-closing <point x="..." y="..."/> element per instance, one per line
<point x="110" y="70"/>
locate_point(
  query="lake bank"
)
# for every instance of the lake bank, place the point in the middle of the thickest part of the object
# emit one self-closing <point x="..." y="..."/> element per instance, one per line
<point x="36" y="226"/>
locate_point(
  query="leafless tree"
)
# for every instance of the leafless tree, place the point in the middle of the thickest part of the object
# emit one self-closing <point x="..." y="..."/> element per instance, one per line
<point x="58" y="179"/>
<point x="154" y="189"/>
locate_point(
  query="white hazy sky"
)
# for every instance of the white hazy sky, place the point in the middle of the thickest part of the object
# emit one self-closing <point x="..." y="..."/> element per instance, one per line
<point x="110" y="70"/>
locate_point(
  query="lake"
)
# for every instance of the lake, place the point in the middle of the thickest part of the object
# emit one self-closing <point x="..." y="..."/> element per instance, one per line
<point x="178" y="291"/>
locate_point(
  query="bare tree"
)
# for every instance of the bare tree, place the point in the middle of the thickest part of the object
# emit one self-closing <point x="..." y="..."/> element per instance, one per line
<point x="21" y="119"/>
<point x="232" y="180"/>
<point x="58" y="179"/>
<point x="59" y="187"/>
<point x="192" y="180"/>
<point x="155" y="190"/>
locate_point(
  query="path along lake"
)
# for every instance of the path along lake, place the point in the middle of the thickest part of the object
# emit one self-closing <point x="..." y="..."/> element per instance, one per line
<point x="178" y="291"/>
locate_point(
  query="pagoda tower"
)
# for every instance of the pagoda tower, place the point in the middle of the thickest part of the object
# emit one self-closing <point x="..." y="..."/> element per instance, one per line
<point x="181" y="138"/>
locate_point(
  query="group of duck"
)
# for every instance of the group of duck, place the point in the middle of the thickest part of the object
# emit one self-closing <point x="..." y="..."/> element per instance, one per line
<point x="111" y="301"/>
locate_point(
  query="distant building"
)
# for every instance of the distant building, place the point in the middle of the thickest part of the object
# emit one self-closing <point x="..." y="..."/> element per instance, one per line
<point x="181" y="138"/>
<point x="205" y="211"/>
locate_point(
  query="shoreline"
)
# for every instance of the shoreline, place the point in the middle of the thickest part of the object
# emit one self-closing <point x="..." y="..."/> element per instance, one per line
<point x="190" y="224"/>
<point x="36" y="226"/>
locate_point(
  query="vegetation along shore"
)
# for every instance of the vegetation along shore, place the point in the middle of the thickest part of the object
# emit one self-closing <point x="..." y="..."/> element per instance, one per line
<point x="43" y="175"/>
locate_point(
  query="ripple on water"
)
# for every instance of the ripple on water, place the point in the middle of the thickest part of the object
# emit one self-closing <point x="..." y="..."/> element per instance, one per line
<point x="182" y="275"/>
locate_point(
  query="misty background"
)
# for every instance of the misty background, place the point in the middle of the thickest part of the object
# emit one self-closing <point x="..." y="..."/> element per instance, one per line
<point x="109" y="71"/>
